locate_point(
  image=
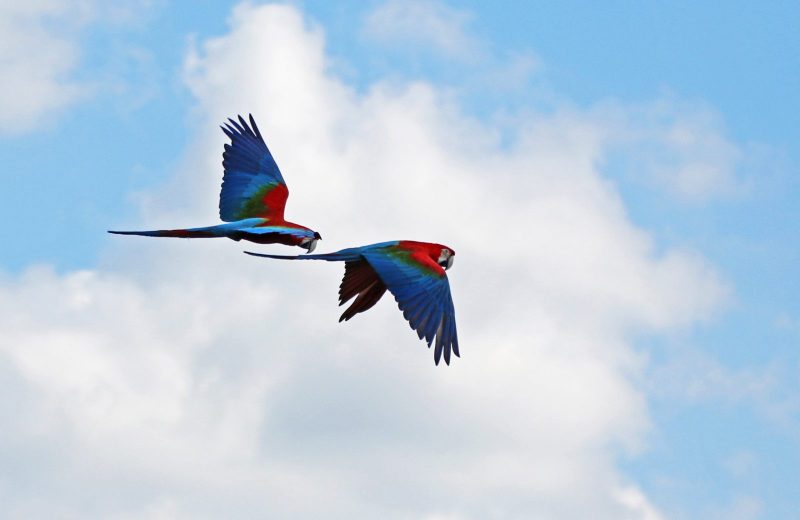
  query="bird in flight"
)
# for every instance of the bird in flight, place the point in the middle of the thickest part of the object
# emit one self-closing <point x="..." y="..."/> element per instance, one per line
<point x="414" y="272"/>
<point x="252" y="199"/>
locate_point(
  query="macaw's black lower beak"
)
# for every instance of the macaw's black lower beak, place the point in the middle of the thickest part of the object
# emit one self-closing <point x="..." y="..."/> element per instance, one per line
<point x="447" y="264"/>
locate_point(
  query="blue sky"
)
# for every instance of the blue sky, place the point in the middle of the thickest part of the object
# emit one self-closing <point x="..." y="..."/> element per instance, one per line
<point x="720" y="389"/>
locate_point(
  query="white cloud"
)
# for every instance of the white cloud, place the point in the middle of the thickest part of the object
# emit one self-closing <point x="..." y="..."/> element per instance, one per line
<point x="703" y="162"/>
<point x="427" y="24"/>
<point x="694" y="377"/>
<point x="184" y="379"/>
<point x="741" y="508"/>
<point x="676" y="145"/>
<point x="40" y="51"/>
<point x="637" y="502"/>
<point x="36" y="59"/>
<point x="701" y="379"/>
<point x="422" y="30"/>
<point x="741" y="463"/>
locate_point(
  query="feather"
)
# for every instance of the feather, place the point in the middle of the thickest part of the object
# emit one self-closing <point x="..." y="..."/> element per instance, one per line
<point x="252" y="185"/>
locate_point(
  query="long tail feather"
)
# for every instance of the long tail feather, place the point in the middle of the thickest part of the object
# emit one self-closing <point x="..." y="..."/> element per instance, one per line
<point x="178" y="233"/>
<point x="330" y="257"/>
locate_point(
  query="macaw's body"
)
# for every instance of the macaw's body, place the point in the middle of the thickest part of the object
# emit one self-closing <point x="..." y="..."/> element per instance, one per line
<point x="252" y="199"/>
<point x="414" y="272"/>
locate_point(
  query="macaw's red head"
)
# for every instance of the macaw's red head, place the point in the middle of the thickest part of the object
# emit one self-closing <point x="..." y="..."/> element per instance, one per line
<point x="422" y="251"/>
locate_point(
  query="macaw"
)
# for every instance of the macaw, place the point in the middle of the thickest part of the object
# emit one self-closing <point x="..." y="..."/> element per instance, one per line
<point x="252" y="199"/>
<point x="414" y="272"/>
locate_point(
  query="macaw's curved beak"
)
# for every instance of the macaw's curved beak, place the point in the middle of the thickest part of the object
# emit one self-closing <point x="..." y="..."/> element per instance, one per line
<point x="310" y="243"/>
<point x="446" y="263"/>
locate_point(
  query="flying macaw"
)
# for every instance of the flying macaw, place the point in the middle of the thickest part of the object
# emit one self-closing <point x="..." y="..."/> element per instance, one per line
<point x="252" y="199"/>
<point x="414" y="272"/>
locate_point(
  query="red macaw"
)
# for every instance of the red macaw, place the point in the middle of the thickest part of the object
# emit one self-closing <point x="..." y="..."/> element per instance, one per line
<point x="252" y="199"/>
<point x="414" y="272"/>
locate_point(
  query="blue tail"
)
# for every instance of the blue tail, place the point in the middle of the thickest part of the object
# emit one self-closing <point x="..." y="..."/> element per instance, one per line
<point x="345" y="255"/>
<point x="178" y="233"/>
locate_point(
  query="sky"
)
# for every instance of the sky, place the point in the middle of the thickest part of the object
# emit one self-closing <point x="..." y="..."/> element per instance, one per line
<point x="620" y="184"/>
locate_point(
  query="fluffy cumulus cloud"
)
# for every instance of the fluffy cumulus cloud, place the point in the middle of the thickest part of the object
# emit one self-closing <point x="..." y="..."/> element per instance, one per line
<point x="40" y="51"/>
<point x="35" y="59"/>
<point x="677" y="146"/>
<point x="431" y="24"/>
<point x="184" y="379"/>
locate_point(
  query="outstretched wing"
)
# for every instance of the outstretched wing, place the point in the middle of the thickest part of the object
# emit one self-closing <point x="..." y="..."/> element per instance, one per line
<point x="422" y="291"/>
<point x="252" y="185"/>
<point x="362" y="282"/>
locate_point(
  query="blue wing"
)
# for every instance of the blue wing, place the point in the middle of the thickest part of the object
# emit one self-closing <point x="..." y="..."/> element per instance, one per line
<point x="252" y="185"/>
<point x="423" y="295"/>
